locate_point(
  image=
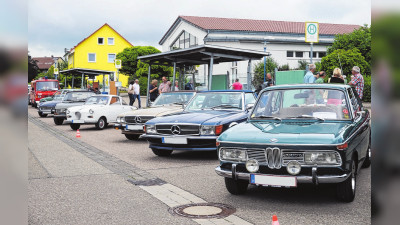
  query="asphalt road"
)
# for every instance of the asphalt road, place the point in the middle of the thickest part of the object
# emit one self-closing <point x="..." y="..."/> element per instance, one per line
<point x="71" y="185"/>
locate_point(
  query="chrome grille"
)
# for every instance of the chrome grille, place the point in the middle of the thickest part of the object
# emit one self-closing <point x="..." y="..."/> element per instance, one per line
<point x="138" y="119"/>
<point x="288" y="156"/>
<point x="185" y="129"/>
<point x="273" y="156"/>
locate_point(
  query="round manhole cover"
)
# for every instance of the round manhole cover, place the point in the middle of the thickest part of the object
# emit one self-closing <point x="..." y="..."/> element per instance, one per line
<point x="203" y="210"/>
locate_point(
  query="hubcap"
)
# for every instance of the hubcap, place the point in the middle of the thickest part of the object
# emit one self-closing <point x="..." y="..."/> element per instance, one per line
<point x="101" y="123"/>
<point x="353" y="177"/>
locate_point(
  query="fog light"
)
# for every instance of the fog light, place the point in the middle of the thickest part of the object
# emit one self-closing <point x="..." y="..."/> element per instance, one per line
<point x="293" y="168"/>
<point x="252" y="165"/>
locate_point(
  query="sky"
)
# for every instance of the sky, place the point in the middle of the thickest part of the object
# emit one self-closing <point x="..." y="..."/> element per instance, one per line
<point x="55" y="25"/>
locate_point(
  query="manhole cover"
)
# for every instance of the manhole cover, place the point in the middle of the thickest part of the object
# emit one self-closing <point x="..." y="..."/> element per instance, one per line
<point x="203" y="210"/>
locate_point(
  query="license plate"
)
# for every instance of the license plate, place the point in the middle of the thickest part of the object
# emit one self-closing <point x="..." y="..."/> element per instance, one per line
<point x="134" y="127"/>
<point x="78" y="121"/>
<point x="174" y="140"/>
<point x="271" y="180"/>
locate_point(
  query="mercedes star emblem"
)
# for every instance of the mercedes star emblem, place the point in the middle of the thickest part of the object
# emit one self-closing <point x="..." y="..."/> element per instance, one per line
<point x="138" y="119"/>
<point x="175" y="129"/>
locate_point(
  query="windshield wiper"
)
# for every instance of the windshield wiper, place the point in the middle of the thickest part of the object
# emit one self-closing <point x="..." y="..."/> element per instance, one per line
<point x="267" y="117"/>
<point x="225" y="106"/>
<point x="178" y="103"/>
<point x="306" y="117"/>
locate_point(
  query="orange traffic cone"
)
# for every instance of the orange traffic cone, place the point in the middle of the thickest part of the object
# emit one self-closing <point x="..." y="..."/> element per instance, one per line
<point x="78" y="134"/>
<point x="275" y="220"/>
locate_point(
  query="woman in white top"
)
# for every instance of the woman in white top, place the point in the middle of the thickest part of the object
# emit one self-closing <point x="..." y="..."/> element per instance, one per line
<point x="176" y="86"/>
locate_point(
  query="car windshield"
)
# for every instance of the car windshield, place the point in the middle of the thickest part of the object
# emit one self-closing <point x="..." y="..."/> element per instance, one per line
<point x="317" y="103"/>
<point x="173" y="97"/>
<point x="77" y="96"/>
<point x="216" y="101"/>
<point x="46" y="86"/>
<point x="58" y="97"/>
<point x="97" y="100"/>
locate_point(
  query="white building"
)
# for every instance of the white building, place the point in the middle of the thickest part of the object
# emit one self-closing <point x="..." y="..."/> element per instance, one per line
<point x="285" y="40"/>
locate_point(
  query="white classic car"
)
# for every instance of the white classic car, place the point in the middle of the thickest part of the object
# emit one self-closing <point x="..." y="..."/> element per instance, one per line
<point x="99" y="110"/>
<point x="131" y="123"/>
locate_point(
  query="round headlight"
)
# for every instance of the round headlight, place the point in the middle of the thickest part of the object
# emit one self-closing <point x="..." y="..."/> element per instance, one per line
<point x="293" y="168"/>
<point x="252" y="165"/>
<point x="91" y="111"/>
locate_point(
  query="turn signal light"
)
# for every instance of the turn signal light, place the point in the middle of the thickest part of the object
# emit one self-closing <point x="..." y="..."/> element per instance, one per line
<point x="218" y="130"/>
<point x="144" y="128"/>
<point x="217" y="143"/>
<point x="343" y="146"/>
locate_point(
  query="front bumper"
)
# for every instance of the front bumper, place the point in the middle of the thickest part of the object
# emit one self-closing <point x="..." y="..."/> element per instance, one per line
<point x="194" y="143"/>
<point x="124" y="129"/>
<point x="313" y="179"/>
<point x="46" y="111"/>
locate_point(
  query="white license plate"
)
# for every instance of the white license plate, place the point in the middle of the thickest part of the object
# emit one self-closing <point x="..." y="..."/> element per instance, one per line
<point x="174" y="140"/>
<point x="271" y="180"/>
<point x="134" y="127"/>
<point x="78" y="121"/>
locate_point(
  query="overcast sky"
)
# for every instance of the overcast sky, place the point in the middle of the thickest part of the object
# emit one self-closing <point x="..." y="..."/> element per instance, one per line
<point x="55" y="25"/>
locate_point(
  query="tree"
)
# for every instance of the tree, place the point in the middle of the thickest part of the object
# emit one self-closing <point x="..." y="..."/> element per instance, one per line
<point x="33" y="69"/>
<point x="258" y="78"/>
<point x="302" y="64"/>
<point x="359" y="39"/>
<point x="348" y="59"/>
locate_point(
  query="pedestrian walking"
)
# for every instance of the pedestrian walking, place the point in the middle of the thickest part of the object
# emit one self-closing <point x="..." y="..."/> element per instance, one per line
<point x="153" y="89"/>
<point x="237" y="85"/>
<point x="336" y="77"/>
<point x="164" y="86"/>
<point x="321" y="77"/>
<point x="136" y="93"/>
<point x="189" y="85"/>
<point x="309" y="78"/>
<point x="130" y="93"/>
<point x="357" y="81"/>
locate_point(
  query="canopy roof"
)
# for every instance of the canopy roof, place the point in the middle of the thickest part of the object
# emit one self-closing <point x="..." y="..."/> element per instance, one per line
<point x="201" y="55"/>
<point x="89" y="72"/>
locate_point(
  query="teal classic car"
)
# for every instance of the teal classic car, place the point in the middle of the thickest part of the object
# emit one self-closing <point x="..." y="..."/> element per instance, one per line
<point x="306" y="133"/>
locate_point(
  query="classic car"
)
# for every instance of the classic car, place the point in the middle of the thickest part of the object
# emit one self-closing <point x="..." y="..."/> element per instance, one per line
<point x="295" y="134"/>
<point x="58" y="94"/>
<point x="131" y="123"/>
<point x="99" y="110"/>
<point x="71" y="99"/>
<point x="196" y="128"/>
<point x="48" y="107"/>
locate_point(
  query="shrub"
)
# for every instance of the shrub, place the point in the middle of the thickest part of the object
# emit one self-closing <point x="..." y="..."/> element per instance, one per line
<point x="367" y="89"/>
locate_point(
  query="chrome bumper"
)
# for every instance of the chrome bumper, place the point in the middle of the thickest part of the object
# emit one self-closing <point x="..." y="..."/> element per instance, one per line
<point x="185" y="136"/>
<point x="315" y="179"/>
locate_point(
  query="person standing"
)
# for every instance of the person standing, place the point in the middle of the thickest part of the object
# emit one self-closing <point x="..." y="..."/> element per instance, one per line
<point x="321" y="77"/>
<point x="130" y="93"/>
<point x="136" y="93"/>
<point x="189" y="85"/>
<point x="153" y="89"/>
<point x="319" y="94"/>
<point x="176" y="87"/>
<point x="269" y="81"/>
<point x="309" y="77"/>
<point x="237" y="85"/>
<point x="164" y="86"/>
<point x="357" y="81"/>
<point x="336" y="77"/>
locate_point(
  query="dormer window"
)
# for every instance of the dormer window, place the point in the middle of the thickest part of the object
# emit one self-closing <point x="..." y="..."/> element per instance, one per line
<point x="100" y="41"/>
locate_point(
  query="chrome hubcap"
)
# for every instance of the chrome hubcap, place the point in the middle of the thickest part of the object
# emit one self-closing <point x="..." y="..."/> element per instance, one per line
<point x="101" y="123"/>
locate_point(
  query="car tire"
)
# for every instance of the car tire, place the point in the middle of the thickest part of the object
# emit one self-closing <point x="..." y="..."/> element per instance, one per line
<point x="236" y="187"/>
<point x="160" y="152"/>
<point x="58" y="121"/>
<point x="132" y="136"/>
<point x="367" y="161"/>
<point x="75" y="126"/>
<point x="101" y="123"/>
<point x="34" y="105"/>
<point x="346" y="191"/>
<point x="42" y="114"/>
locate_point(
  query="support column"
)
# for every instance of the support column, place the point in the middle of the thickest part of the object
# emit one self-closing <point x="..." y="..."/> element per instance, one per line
<point x="249" y="75"/>
<point x="311" y="53"/>
<point x="148" y="90"/>
<point x="194" y="81"/>
<point x="210" y="71"/>
<point x="173" y="78"/>
<point x="104" y="83"/>
<point x="73" y="81"/>
<point x="82" y="82"/>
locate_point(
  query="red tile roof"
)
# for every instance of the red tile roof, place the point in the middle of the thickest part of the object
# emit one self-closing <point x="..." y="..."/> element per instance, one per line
<point x="214" y="23"/>
<point x="44" y="62"/>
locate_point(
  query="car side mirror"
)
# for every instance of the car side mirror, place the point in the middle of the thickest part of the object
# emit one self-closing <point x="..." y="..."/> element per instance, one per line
<point x="249" y="106"/>
<point x="359" y="115"/>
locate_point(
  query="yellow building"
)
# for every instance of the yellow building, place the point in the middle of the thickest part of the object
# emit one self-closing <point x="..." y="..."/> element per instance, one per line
<point x="98" y="51"/>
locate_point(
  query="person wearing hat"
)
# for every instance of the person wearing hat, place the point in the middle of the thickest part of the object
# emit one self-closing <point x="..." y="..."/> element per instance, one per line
<point x="357" y="81"/>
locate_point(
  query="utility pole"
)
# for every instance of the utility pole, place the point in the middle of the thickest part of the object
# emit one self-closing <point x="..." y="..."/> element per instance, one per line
<point x="265" y="60"/>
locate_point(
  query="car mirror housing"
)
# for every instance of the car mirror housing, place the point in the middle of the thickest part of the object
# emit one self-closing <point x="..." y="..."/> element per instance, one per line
<point x="249" y="106"/>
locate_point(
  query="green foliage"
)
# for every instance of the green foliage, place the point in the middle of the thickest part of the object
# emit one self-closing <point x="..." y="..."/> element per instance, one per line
<point x="367" y="89"/>
<point x="348" y="59"/>
<point x="49" y="74"/>
<point x="302" y="64"/>
<point x="359" y="39"/>
<point x="33" y="69"/>
<point x="284" y="67"/>
<point x="318" y="66"/>
<point x="258" y="78"/>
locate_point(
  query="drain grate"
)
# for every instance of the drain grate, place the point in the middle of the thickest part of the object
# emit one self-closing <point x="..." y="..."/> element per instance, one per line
<point x="203" y="210"/>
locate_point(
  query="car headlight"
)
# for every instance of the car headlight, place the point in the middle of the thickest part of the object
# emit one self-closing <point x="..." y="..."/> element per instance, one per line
<point x="91" y="111"/>
<point x="123" y="119"/>
<point x="231" y="154"/>
<point x="252" y="165"/>
<point x="118" y="119"/>
<point x="211" y="130"/>
<point x="293" y="168"/>
<point x="328" y="158"/>
<point x="151" y="129"/>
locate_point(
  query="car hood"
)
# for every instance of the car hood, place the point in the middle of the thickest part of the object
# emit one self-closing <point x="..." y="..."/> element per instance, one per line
<point x="288" y="133"/>
<point x="206" y="117"/>
<point x="63" y="105"/>
<point x="154" y="111"/>
<point x="85" y="108"/>
<point x="50" y="103"/>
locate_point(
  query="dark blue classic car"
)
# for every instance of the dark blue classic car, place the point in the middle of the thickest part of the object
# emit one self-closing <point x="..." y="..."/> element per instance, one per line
<point x="315" y="133"/>
<point x="48" y="107"/>
<point x="205" y="117"/>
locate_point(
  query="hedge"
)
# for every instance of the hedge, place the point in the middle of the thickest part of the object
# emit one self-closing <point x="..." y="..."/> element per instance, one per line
<point x="367" y="89"/>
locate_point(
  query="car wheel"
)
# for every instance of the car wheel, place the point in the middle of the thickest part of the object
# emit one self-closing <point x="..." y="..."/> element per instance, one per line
<point x="74" y="126"/>
<point x="58" y="121"/>
<point x="101" y="124"/>
<point x="236" y="187"/>
<point x="346" y="191"/>
<point x="42" y="114"/>
<point x="132" y="136"/>
<point x="160" y="152"/>
<point x="367" y="161"/>
<point x="34" y="105"/>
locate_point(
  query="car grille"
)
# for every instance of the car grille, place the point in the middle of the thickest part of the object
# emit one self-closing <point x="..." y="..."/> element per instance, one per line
<point x="272" y="157"/>
<point x="46" y="107"/>
<point x="184" y="129"/>
<point x="138" y="119"/>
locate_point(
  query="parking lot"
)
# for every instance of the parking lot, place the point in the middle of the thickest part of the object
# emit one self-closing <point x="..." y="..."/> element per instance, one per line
<point x="104" y="178"/>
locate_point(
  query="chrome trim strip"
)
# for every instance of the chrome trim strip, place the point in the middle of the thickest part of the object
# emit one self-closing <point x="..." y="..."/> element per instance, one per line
<point x="186" y="136"/>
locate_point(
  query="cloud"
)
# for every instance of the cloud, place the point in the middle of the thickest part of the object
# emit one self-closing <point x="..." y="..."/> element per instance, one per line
<point x="53" y="26"/>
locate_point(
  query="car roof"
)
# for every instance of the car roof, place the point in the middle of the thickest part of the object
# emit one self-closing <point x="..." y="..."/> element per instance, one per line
<point x="246" y="91"/>
<point x="294" y="86"/>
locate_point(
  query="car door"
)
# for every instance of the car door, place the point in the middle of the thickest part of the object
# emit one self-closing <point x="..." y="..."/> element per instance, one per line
<point x="117" y="106"/>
